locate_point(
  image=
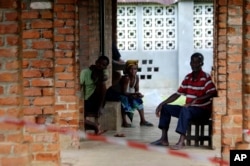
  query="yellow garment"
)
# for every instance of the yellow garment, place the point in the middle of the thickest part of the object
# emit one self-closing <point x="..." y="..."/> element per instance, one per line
<point x="131" y="62"/>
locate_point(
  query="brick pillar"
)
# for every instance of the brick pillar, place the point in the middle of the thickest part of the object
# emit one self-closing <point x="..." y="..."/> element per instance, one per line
<point x="66" y="72"/>
<point x="219" y="71"/>
<point x="245" y="143"/>
<point x="38" y="66"/>
<point x="230" y="71"/>
<point x="13" y="148"/>
<point x="232" y="122"/>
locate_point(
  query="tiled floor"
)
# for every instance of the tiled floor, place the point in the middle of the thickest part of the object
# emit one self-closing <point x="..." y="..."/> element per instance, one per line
<point x="94" y="153"/>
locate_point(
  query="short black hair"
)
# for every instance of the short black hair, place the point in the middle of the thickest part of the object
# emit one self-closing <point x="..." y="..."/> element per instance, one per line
<point x="198" y="55"/>
<point x="103" y="57"/>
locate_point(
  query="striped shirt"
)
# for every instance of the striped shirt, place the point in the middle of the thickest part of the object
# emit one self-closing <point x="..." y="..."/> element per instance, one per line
<point x="199" y="87"/>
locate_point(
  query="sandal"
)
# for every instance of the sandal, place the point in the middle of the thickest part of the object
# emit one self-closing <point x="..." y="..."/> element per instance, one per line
<point x="159" y="143"/>
<point x="146" y="123"/>
<point x="119" y="135"/>
<point x="127" y="125"/>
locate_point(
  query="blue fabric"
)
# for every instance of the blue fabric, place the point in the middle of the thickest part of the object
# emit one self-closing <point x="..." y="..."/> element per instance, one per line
<point x="184" y="115"/>
<point x="130" y="104"/>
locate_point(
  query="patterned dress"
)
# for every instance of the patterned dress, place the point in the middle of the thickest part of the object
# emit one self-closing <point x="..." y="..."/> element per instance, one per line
<point x="129" y="103"/>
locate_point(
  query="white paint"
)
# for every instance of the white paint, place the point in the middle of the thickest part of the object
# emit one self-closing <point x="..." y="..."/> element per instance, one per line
<point x="41" y="5"/>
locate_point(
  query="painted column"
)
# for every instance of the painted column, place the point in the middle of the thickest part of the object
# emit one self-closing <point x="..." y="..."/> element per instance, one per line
<point x="185" y="37"/>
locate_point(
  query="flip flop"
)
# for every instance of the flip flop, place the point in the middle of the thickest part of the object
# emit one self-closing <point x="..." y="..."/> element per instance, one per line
<point x="128" y="125"/>
<point x="158" y="143"/>
<point x="119" y="135"/>
<point x="147" y="124"/>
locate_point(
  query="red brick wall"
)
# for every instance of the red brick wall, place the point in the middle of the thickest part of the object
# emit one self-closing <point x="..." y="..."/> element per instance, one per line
<point x="220" y="67"/>
<point x="41" y="54"/>
<point x="231" y="108"/>
<point x="245" y="65"/>
<point x="89" y="33"/>
<point x="65" y="30"/>
<point x="13" y="148"/>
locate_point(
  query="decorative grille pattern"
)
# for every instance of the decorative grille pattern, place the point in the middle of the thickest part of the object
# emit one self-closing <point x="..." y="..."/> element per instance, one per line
<point x="127" y="28"/>
<point x="144" y="28"/>
<point x="159" y="27"/>
<point x="203" y="26"/>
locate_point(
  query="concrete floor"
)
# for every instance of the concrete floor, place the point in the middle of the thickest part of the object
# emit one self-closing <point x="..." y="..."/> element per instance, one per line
<point x="97" y="153"/>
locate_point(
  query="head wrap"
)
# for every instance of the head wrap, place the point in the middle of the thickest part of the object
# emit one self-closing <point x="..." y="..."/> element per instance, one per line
<point x="130" y="63"/>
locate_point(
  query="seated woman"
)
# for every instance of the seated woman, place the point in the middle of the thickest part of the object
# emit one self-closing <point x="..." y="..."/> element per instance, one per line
<point x="130" y="97"/>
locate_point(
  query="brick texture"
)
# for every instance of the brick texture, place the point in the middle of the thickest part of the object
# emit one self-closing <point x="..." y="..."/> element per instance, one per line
<point x="13" y="151"/>
<point x="231" y="108"/>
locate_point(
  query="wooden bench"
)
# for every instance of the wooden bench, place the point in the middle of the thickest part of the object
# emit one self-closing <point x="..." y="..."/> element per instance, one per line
<point x="198" y="132"/>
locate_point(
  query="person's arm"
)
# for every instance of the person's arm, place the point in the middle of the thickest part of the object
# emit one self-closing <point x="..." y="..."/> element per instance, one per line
<point x="137" y="89"/>
<point x="124" y="85"/>
<point x="205" y="97"/>
<point x="118" y="62"/>
<point x="136" y="84"/>
<point x="170" y="99"/>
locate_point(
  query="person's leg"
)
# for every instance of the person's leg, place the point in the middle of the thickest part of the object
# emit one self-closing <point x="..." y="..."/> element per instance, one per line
<point x="141" y="114"/>
<point x="163" y="141"/>
<point x="99" y="94"/>
<point x="184" y="117"/>
<point x="138" y="105"/>
<point x="93" y="107"/>
<point x="124" y="119"/>
<point x="143" y="121"/>
<point x="125" y="108"/>
<point x="89" y="125"/>
<point x="186" y="114"/>
<point x="164" y="122"/>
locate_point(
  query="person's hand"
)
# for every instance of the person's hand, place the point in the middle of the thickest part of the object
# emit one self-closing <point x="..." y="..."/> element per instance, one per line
<point x="190" y="104"/>
<point x="158" y="111"/>
<point x="187" y="105"/>
<point x="139" y="95"/>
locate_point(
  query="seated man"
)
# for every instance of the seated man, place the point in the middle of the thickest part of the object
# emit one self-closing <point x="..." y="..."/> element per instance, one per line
<point x="92" y="81"/>
<point x="198" y="89"/>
